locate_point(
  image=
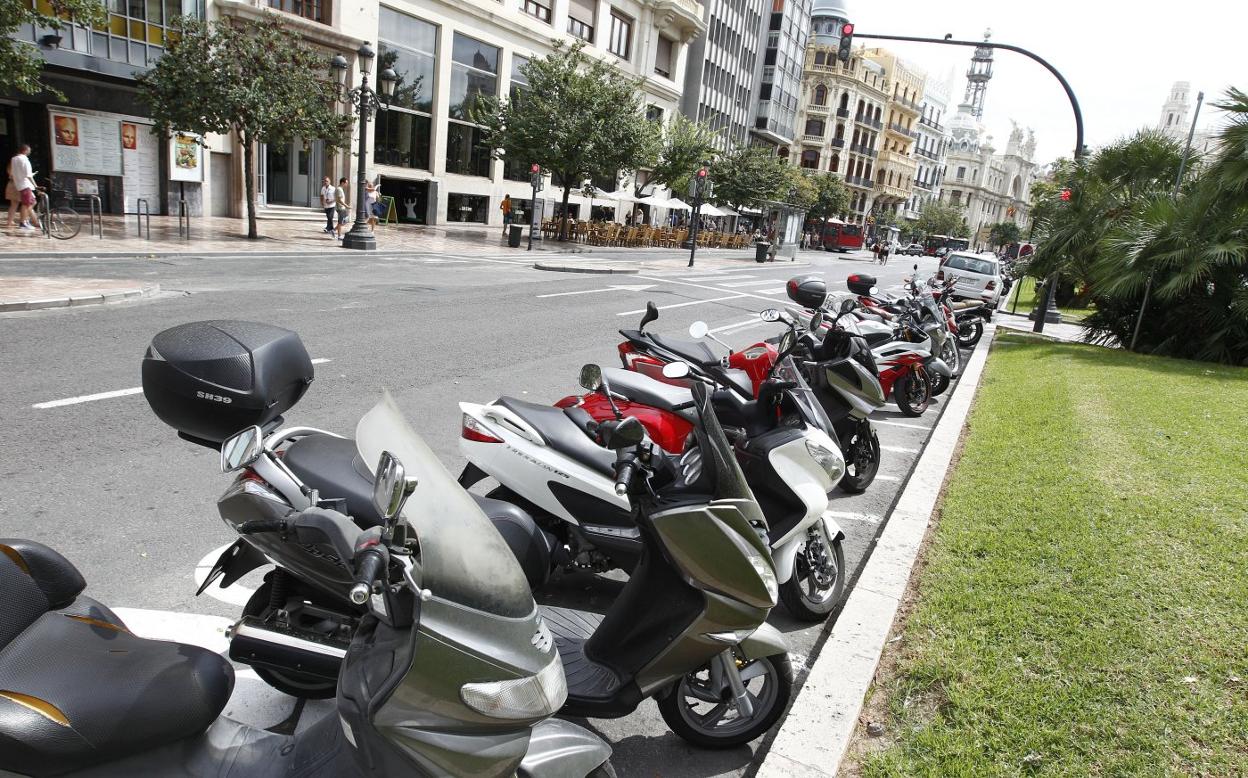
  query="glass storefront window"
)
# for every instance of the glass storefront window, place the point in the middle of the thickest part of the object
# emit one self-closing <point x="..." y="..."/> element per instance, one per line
<point x="464" y="153"/>
<point x="474" y="71"/>
<point x="401" y="138"/>
<point x="466" y="208"/>
<point x="402" y="134"/>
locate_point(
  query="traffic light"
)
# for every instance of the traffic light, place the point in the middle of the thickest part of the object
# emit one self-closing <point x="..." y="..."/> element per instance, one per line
<point x="1065" y="195"/>
<point x="847" y="42"/>
<point x="536" y="177"/>
<point x="700" y="182"/>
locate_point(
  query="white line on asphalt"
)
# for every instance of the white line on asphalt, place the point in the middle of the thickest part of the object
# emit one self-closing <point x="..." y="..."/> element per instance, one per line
<point x="702" y="286"/>
<point x="901" y="424"/>
<point x="741" y="325"/>
<point x="888" y="478"/>
<point x="616" y="288"/>
<point x="779" y="290"/>
<point x="682" y="305"/>
<point x="755" y="282"/>
<point x="86" y="398"/>
<point x="851" y="516"/>
<point x="702" y="278"/>
<point x="900" y="449"/>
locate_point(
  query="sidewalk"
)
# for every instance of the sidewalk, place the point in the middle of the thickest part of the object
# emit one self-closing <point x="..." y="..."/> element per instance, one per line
<point x="1071" y="333"/>
<point x="35" y="293"/>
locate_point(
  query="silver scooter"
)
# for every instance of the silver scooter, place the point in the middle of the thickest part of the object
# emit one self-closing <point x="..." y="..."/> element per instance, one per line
<point x="452" y="670"/>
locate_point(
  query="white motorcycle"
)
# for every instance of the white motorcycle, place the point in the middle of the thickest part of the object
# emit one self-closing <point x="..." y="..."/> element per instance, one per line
<point x="545" y="460"/>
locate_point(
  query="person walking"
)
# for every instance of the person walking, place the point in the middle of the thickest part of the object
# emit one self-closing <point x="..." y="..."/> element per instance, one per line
<point x="372" y="203"/>
<point x="884" y="249"/>
<point x="342" y="207"/>
<point x="505" y="207"/>
<point x="328" y="204"/>
<point x="22" y="196"/>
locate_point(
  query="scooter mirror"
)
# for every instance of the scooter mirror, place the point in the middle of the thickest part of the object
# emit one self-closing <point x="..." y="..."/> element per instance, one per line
<point x="848" y="304"/>
<point x="391" y="486"/>
<point x="816" y="321"/>
<point x="629" y="432"/>
<point x="242" y="449"/>
<point x="698" y="330"/>
<point x="769" y="314"/>
<point x="591" y="377"/>
<point x="676" y="370"/>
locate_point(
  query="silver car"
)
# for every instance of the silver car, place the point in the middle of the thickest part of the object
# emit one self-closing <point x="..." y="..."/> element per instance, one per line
<point x="978" y="276"/>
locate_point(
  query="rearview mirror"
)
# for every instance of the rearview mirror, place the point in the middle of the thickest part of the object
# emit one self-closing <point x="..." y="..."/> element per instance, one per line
<point x="627" y="432"/>
<point x="916" y="267"/>
<point x="242" y="449"/>
<point x="391" y="487"/>
<point x="816" y="321"/>
<point x="591" y="377"/>
<point x="652" y="313"/>
<point x="769" y="315"/>
<point x="676" y="370"/>
<point x="698" y="330"/>
<point x="847" y="305"/>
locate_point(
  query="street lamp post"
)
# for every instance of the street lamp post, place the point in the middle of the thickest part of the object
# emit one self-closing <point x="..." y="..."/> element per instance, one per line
<point x="366" y="102"/>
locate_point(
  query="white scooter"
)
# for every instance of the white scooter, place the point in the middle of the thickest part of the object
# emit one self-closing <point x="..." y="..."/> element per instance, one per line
<point x="545" y="461"/>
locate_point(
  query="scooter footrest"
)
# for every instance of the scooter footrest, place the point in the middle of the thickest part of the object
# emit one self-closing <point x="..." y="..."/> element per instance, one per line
<point x="571" y="629"/>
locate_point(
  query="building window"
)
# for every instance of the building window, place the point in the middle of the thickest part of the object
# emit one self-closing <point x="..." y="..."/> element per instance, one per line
<point x="581" y="19"/>
<point x="134" y="33"/>
<point x="835" y="165"/>
<point x="961" y="173"/>
<point x="621" y="43"/>
<point x="536" y="9"/>
<point x="474" y="71"/>
<point x="810" y="159"/>
<point x="814" y="127"/>
<point x="821" y="95"/>
<point x="820" y="58"/>
<point x="517" y="169"/>
<point x="401" y="135"/>
<point x="466" y="208"/>
<point x="308" y="9"/>
<point x="663" y="57"/>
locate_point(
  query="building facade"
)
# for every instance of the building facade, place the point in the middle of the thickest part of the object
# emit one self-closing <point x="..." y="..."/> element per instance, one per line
<point x="987" y="186"/>
<point x="930" y="148"/>
<point x="720" y="82"/>
<point x="1174" y="121"/>
<point x="897" y="168"/>
<point x="780" y="72"/>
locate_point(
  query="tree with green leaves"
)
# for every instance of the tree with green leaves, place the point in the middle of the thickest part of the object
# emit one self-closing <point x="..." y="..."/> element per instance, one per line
<point x="579" y="118"/>
<point x="20" y="63"/>
<point x="677" y="153"/>
<point x="940" y="218"/>
<point x="750" y="177"/>
<point x="1004" y="233"/>
<point x="256" y="79"/>
<point x="831" y="198"/>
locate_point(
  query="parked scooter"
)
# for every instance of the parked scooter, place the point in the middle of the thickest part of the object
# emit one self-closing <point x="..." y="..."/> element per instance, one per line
<point x="930" y="317"/>
<point x="689" y="628"/>
<point x="452" y="670"/>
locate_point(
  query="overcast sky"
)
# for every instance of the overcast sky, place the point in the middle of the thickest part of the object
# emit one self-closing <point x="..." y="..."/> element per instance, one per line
<point x="1119" y="57"/>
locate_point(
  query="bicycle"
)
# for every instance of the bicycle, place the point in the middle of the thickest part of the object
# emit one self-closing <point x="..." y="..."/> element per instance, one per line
<point x="60" y="221"/>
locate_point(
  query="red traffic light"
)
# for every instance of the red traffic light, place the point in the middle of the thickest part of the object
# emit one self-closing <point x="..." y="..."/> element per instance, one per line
<point x="702" y="173"/>
<point x="1065" y="195"/>
<point x="847" y="28"/>
<point x="536" y="168"/>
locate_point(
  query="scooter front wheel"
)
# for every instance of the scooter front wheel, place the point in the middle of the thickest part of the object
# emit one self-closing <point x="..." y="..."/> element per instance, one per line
<point x="912" y="393"/>
<point x="817" y="584"/>
<point x="862" y="460"/>
<point x="700" y="707"/>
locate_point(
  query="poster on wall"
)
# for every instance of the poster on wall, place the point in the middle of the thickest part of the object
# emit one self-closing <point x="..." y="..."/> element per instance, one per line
<point x="86" y="144"/>
<point x="140" y="151"/>
<point x="186" y="157"/>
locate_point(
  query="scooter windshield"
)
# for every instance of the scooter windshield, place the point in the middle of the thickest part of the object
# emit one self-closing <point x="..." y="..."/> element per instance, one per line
<point x="730" y="482"/>
<point x="463" y="558"/>
<point x="812" y="412"/>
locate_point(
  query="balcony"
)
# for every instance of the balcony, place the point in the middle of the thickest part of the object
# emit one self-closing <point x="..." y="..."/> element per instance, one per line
<point x="815" y="139"/>
<point x="842" y="113"/>
<point x="838" y="143"/>
<point x="820" y="109"/>
<point x="877" y="124"/>
<point x="900" y="130"/>
<point x="682" y="17"/>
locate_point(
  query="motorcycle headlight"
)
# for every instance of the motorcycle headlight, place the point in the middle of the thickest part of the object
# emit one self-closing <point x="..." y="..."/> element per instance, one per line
<point x="766" y="572"/>
<point x="831" y="461"/>
<point x="532" y="697"/>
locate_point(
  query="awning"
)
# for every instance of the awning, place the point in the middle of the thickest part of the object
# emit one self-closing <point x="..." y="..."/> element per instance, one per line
<point x="833" y="220"/>
<point x="710" y="210"/>
<point x="655" y="201"/>
<point x="619" y="194"/>
<point x="680" y="205"/>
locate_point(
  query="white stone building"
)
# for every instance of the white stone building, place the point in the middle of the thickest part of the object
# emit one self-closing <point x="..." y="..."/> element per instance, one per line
<point x="931" y="147"/>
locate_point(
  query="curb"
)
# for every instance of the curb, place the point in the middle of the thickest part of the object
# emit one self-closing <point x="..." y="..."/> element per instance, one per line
<point x="76" y="301"/>
<point x="821" y="721"/>
<point x="604" y="269"/>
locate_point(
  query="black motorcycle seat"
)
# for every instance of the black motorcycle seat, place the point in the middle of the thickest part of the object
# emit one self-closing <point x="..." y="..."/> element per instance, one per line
<point x="694" y="351"/>
<point x="648" y="391"/>
<point x="562" y="434"/>
<point x="77" y="690"/>
<point x="333" y="467"/>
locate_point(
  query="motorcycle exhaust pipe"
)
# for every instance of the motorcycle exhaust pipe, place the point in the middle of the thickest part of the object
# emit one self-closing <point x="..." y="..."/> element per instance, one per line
<point x="253" y="642"/>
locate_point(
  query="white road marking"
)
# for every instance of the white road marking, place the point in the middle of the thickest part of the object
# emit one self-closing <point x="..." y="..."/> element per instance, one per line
<point x="851" y="516"/>
<point x="682" y="305"/>
<point x="702" y="286"/>
<point x="746" y="283"/>
<point x="86" y="398"/>
<point x="900" y="449"/>
<point x="740" y="325"/>
<point x="614" y="288"/>
<point x="888" y="478"/>
<point x="778" y="290"/>
<point x="231" y="595"/>
<point x="907" y="425"/>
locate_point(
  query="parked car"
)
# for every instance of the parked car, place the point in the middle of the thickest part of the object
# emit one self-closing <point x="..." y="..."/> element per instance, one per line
<point x="913" y="250"/>
<point x="978" y="276"/>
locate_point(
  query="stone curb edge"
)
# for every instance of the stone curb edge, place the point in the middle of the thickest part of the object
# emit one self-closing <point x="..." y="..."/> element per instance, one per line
<point x="332" y="252"/>
<point x="104" y="298"/>
<point x="821" y="721"/>
<point x="606" y="269"/>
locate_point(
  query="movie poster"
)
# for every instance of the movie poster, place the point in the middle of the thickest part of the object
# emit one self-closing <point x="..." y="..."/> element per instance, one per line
<point x="186" y="157"/>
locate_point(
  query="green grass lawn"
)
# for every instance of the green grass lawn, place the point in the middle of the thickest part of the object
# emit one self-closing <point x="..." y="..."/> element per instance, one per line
<point x="1025" y="291"/>
<point x="1084" y="606"/>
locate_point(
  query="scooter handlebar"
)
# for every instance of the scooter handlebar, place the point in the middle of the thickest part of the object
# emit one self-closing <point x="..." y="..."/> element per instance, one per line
<point x="370" y="565"/>
<point x="623" y="475"/>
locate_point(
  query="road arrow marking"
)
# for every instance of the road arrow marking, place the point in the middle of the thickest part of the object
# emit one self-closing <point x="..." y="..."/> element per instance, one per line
<point x="616" y="287"/>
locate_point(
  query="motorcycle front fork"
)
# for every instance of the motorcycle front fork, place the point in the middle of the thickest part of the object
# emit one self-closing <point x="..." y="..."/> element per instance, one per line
<point x="726" y="665"/>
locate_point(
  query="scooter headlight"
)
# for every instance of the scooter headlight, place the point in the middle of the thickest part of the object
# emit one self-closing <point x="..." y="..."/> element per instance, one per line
<point x="532" y="697"/>
<point x="766" y="572"/>
<point x="831" y="461"/>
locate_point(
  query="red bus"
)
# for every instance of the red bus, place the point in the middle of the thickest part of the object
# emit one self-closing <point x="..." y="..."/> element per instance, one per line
<point x="839" y="236"/>
<point x="934" y="243"/>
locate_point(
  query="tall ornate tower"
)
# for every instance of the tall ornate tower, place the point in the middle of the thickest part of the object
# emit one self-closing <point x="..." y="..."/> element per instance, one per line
<point x="1173" y="120"/>
<point x="978" y="76"/>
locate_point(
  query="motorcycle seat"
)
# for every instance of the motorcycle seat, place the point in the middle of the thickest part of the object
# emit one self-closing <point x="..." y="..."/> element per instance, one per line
<point x="562" y="434"/>
<point x="76" y="687"/>
<point x="647" y="391"/>
<point x="333" y="467"/>
<point x="694" y="351"/>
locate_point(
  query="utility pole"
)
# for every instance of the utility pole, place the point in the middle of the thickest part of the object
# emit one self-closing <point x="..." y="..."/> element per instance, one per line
<point x="700" y="182"/>
<point x="1178" y="180"/>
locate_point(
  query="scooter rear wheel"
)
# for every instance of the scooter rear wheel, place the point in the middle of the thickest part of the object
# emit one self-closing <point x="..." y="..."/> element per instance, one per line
<point x="969" y="333"/>
<point x="310" y="687"/>
<point x="699" y="713"/>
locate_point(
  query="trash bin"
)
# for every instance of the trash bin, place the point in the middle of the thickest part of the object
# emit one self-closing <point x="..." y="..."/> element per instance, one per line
<point x="514" y="233"/>
<point x="760" y="251"/>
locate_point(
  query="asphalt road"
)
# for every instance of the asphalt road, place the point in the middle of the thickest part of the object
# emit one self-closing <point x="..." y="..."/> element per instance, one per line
<point x="133" y="506"/>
